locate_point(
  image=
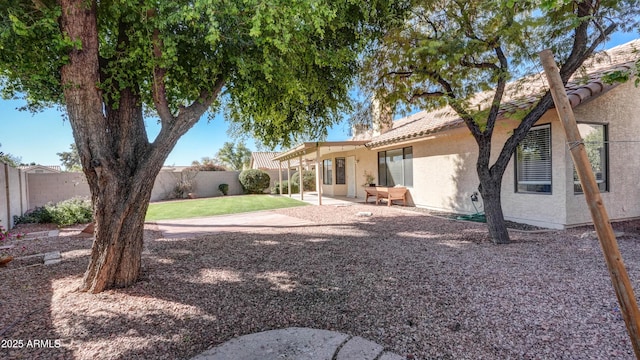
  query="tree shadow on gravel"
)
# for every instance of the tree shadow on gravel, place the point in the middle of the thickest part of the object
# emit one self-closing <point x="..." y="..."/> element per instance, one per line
<point x="414" y="284"/>
<point x="27" y="323"/>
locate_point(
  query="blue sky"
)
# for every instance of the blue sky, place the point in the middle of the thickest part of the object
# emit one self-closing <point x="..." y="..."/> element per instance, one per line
<point x="38" y="137"/>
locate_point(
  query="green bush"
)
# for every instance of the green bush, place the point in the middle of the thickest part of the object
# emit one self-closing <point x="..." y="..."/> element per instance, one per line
<point x="224" y="189"/>
<point x="285" y="188"/>
<point x="64" y="213"/>
<point x="39" y="215"/>
<point x="254" y="181"/>
<point x="309" y="178"/>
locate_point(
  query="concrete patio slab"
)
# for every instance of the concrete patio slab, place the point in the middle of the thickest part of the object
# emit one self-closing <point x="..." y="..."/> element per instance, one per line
<point x="255" y="221"/>
<point x="297" y="344"/>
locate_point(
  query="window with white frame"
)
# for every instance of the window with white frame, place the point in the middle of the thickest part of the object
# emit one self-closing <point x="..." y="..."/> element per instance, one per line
<point x="533" y="161"/>
<point x="341" y="171"/>
<point x="595" y="143"/>
<point x="395" y="167"/>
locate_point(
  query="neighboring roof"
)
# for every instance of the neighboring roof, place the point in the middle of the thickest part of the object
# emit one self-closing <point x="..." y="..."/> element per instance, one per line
<point x="520" y="95"/>
<point x="174" y="168"/>
<point x="48" y="168"/>
<point x="264" y="160"/>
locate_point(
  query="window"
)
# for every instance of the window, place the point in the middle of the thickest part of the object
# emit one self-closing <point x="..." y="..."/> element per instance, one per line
<point x="533" y="161"/>
<point x="327" y="172"/>
<point x="595" y="143"/>
<point x="340" y="171"/>
<point x="395" y="167"/>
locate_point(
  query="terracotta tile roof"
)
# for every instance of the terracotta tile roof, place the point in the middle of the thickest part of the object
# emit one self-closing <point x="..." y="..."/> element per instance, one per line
<point x="520" y="95"/>
<point x="264" y="160"/>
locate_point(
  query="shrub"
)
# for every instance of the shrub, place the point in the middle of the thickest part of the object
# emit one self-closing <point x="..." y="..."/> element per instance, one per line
<point x="224" y="188"/>
<point x="254" y="181"/>
<point x="309" y="178"/>
<point x="64" y="213"/>
<point x="285" y="188"/>
<point x="39" y="215"/>
<point x="207" y="166"/>
<point x="72" y="211"/>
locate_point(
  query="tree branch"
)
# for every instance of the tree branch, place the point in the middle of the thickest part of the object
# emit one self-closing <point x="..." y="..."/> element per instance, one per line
<point x="480" y="65"/>
<point x="159" y="91"/>
<point x="497" y="96"/>
<point x="417" y="94"/>
<point x="401" y="74"/>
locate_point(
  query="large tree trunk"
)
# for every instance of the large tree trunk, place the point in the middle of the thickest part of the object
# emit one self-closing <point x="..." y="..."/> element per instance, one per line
<point x="120" y="205"/>
<point x="117" y="159"/>
<point x="490" y="188"/>
<point x="490" y="191"/>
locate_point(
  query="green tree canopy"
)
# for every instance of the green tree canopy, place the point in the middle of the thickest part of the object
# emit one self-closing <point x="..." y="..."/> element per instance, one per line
<point x="70" y="159"/>
<point x="206" y="164"/>
<point x="234" y="156"/>
<point x="10" y="159"/>
<point x="280" y="67"/>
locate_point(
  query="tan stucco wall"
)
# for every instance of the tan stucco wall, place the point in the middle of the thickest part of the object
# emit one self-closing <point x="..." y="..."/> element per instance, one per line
<point x="548" y="210"/>
<point x="444" y="170"/>
<point x="366" y="160"/>
<point x="620" y="108"/>
<point x="441" y="176"/>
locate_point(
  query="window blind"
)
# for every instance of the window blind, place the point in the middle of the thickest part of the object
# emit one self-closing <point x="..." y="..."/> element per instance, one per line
<point x="534" y="161"/>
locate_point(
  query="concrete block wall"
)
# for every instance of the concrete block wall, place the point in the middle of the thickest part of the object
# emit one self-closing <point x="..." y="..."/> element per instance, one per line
<point x="13" y="194"/>
<point x="205" y="184"/>
<point x="53" y="188"/>
<point x="20" y="191"/>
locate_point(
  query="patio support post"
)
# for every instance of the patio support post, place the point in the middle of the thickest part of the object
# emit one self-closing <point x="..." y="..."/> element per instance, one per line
<point x="613" y="258"/>
<point x="279" y="177"/>
<point x="289" y="176"/>
<point x="318" y="182"/>
<point x="301" y="178"/>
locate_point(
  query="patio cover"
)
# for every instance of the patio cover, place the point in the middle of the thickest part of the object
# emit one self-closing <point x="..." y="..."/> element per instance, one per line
<point x="313" y="152"/>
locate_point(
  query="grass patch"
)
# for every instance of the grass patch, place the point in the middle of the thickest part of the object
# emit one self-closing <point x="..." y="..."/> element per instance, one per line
<point x="218" y="206"/>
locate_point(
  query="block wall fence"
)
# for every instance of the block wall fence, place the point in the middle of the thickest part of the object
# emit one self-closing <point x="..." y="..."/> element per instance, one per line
<point x="21" y="191"/>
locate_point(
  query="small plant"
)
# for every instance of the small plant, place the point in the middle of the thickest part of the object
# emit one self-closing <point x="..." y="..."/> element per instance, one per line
<point x="224" y="188"/>
<point x="369" y="179"/>
<point x="5" y="236"/>
<point x="184" y="185"/>
<point x="254" y="181"/>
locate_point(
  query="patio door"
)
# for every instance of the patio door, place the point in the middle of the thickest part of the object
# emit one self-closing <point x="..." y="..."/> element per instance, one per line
<point x="351" y="176"/>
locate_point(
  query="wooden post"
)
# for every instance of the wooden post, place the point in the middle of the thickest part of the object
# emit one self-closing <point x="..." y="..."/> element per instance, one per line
<point x="279" y="177"/>
<point x="301" y="178"/>
<point x="318" y="180"/>
<point x="612" y="256"/>
<point x="289" y="176"/>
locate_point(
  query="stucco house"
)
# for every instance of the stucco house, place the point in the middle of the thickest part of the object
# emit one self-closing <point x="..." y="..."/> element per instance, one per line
<point x="433" y="154"/>
<point x="40" y="169"/>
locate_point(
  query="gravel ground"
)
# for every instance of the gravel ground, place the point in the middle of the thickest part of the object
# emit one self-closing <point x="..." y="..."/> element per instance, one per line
<point x="421" y="286"/>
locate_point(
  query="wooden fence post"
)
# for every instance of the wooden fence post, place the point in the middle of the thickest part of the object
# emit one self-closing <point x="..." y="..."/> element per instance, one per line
<point x="612" y="256"/>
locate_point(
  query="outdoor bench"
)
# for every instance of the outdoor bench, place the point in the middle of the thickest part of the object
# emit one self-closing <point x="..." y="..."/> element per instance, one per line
<point x="370" y="191"/>
<point x="391" y="193"/>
